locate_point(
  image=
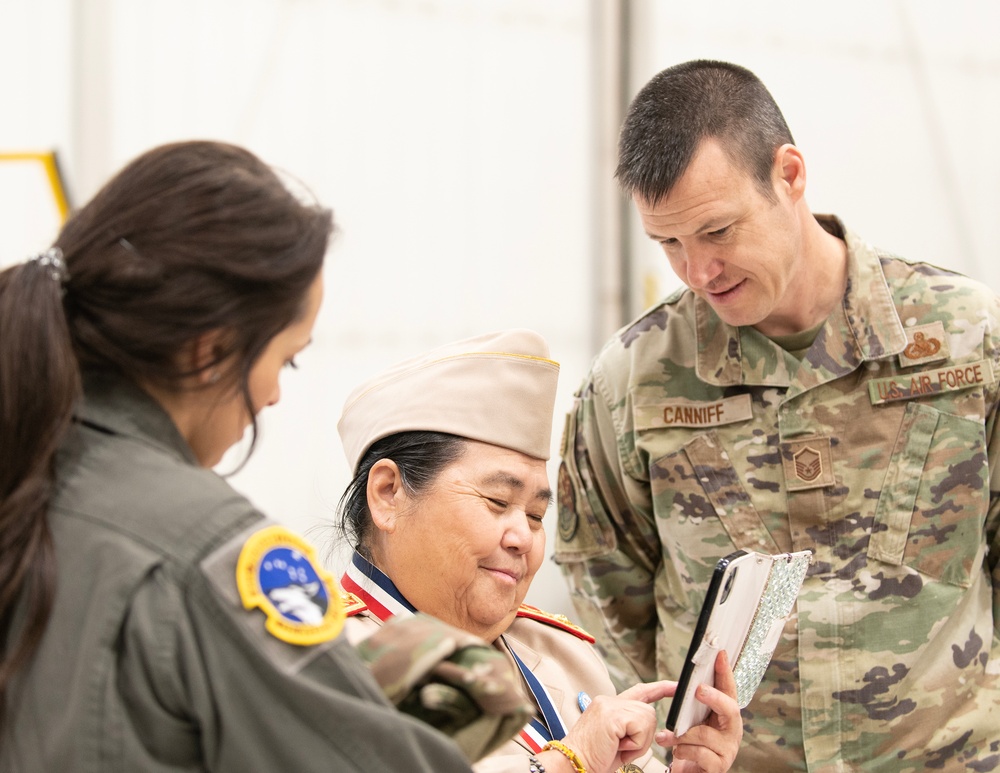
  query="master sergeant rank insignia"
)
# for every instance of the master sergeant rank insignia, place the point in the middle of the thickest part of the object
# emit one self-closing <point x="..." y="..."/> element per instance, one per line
<point x="807" y="464"/>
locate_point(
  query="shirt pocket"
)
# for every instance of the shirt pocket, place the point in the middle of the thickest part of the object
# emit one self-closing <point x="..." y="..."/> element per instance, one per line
<point x="932" y="505"/>
<point x="703" y="512"/>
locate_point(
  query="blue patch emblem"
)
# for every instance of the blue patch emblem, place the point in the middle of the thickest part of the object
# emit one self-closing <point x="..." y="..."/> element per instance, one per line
<point x="583" y="700"/>
<point x="277" y="573"/>
<point x="296" y="590"/>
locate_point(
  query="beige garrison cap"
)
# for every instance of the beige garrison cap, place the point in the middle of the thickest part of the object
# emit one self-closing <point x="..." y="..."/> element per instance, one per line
<point x="497" y="388"/>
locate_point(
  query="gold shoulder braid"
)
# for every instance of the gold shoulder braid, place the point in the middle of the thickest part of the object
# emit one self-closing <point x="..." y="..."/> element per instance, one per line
<point x="558" y="621"/>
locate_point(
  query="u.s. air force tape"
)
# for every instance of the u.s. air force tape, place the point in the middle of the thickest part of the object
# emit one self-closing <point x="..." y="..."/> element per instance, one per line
<point x="277" y="572"/>
<point x="930" y="382"/>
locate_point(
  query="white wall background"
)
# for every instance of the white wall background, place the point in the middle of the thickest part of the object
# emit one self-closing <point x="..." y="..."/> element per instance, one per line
<point x="463" y="145"/>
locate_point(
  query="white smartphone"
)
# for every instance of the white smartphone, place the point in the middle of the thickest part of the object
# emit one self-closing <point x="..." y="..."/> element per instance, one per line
<point x="732" y="618"/>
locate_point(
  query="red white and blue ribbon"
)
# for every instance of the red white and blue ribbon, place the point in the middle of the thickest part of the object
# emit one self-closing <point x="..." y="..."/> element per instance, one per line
<point x="373" y="586"/>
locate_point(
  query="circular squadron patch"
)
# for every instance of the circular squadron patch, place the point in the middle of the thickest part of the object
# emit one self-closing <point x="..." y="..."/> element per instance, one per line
<point x="277" y="572"/>
<point x="568" y="518"/>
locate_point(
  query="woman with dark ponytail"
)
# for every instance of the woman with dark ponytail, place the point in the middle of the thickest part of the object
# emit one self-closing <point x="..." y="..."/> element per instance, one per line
<point x="39" y="385"/>
<point x="150" y="617"/>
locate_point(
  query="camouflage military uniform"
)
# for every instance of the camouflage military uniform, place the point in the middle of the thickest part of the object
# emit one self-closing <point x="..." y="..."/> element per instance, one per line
<point x="691" y="438"/>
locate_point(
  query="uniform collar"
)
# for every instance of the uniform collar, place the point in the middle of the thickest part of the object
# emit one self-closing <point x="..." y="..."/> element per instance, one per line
<point x="117" y="406"/>
<point x="864" y="326"/>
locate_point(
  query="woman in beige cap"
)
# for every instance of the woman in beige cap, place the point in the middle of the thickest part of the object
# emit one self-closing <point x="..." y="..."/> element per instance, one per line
<point x="445" y="515"/>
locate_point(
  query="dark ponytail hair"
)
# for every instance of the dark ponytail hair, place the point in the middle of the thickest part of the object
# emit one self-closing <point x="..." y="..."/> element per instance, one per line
<point x="39" y="384"/>
<point x="188" y="238"/>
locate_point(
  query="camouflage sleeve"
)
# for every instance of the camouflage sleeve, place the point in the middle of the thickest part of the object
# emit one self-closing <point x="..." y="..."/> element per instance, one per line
<point x="993" y="531"/>
<point x="607" y="547"/>
<point x="993" y="514"/>
<point x="449" y="679"/>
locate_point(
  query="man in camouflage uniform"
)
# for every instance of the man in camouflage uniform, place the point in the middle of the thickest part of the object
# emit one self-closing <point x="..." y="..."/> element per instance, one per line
<point x="805" y="390"/>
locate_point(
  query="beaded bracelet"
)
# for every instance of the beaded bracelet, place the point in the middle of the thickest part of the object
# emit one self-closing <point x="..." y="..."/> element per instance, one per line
<point x="568" y="753"/>
<point x="534" y="766"/>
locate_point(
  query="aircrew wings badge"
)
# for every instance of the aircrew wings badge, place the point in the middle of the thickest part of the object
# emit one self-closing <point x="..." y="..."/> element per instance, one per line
<point x="277" y="572"/>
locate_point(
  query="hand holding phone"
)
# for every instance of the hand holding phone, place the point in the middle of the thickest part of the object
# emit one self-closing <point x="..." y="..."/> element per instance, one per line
<point x="749" y="598"/>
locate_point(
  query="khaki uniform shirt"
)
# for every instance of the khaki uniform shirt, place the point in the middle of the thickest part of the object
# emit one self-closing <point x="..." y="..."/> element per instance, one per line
<point x="566" y="664"/>
<point x="691" y="438"/>
<point x="150" y="662"/>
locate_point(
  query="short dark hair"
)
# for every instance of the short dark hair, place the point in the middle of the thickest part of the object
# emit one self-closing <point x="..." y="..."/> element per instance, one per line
<point x="687" y="103"/>
<point x="420" y="457"/>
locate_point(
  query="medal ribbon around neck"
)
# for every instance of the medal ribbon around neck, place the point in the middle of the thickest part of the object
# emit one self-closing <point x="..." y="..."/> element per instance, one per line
<point x="373" y="586"/>
<point x="551" y="727"/>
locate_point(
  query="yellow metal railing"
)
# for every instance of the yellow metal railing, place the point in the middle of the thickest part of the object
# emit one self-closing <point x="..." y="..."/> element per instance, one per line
<point x="50" y="164"/>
